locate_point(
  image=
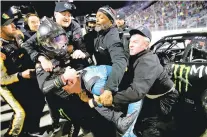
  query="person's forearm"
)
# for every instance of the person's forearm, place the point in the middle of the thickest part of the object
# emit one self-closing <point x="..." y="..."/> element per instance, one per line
<point x="48" y="85"/>
<point x="5" y="78"/>
<point x="128" y="96"/>
<point x="119" y="66"/>
<point x="114" y="79"/>
<point x="52" y="85"/>
<point x="29" y="47"/>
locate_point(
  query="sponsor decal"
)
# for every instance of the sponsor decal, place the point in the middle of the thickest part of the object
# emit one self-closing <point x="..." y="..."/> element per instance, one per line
<point x="177" y="37"/>
<point x="182" y="73"/>
<point x="200" y="37"/>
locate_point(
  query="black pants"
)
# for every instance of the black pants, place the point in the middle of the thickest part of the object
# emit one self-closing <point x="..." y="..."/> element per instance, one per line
<point x="27" y="102"/>
<point x="81" y="114"/>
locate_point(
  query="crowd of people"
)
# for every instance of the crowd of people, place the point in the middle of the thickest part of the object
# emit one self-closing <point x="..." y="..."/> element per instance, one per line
<point x="167" y="15"/>
<point x="105" y="81"/>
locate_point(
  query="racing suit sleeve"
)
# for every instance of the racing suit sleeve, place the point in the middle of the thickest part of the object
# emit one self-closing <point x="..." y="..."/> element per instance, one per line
<point x="31" y="47"/>
<point x="119" y="66"/>
<point x="5" y="78"/>
<point x="145" y="75"/>
<point x="18" y="117"/>
<point x="46" y="83"/>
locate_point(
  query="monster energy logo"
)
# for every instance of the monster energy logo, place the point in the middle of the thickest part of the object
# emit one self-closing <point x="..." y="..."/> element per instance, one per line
<point x="62" y="113"/>
<point x="182" y="73"/>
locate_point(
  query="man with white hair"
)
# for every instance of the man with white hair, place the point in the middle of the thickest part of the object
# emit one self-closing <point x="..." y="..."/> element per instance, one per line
<point x="145" y="77"/>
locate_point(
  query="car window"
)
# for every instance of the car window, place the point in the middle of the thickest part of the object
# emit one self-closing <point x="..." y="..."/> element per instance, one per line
<point x="197" y="52"/>
<point x="165" y="45"/>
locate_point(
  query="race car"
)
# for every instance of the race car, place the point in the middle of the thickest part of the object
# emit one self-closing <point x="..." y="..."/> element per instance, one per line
<point x="184" y="56"/>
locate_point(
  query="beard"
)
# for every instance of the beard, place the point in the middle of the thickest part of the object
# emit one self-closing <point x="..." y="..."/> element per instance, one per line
<point x="98" y="28"/>
<point x="102" y="27"/>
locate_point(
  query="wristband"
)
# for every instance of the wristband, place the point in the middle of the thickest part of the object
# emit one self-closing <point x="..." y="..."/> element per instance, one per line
<point x="59" y="82"/>
<point x="96" y="103"/>
<point x="90" y="102"/>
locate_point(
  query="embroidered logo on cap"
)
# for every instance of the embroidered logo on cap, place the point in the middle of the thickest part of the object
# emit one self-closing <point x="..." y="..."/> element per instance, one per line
<point x="66" y="5"/>
<point x="141" y="28"/>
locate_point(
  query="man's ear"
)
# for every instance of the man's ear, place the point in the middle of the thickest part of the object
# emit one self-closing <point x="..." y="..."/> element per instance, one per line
<point x="55" y="14"/>
<point x="147" y="45"/>
<point x="110" y="23"/>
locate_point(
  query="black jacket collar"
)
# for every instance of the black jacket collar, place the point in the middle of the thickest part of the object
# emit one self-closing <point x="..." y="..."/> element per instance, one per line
<point x="140" y="54"/>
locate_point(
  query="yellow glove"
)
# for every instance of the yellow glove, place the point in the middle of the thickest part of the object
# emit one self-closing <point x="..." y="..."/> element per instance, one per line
<point x="106" y="98"/>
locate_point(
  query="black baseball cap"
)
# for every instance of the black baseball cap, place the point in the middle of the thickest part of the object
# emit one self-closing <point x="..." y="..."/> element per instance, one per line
<point x="5" y="19"/>
<point x="63" y="6"/>
<point x="120" y="15"/>
<point x="142" y="30"/>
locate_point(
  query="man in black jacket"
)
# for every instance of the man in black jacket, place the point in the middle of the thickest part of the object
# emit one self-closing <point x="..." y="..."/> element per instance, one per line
<point x="91" y="34"/>
<point x="123" y="30"/>
<point x="145" y="77"/>
<point x="90" y="20"/>
<point x="108" y="49"/>
<point x="121" y="23"/>
<point x="63" y="17"/>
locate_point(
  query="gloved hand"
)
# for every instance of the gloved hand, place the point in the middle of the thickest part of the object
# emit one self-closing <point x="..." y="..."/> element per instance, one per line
<point x="70" y="75"/>
<point x="78" y="54"/>
<point x="106" y="98"/>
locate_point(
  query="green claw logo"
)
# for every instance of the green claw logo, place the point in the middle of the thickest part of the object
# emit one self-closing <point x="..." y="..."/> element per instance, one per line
<point x="182" y="72"/>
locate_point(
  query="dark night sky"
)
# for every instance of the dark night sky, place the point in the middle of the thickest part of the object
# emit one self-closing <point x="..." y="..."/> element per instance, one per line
<point x="46" y="8"/>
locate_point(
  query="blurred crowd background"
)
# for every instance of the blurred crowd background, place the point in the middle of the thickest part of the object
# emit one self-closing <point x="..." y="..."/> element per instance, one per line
<point x="167" y="15"/>
<point x="157" y="15"/>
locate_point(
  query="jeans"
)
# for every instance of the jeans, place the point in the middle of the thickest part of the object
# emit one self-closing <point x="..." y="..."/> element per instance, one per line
<point x="136" y="106"/>
<point x="103" y="71"/>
